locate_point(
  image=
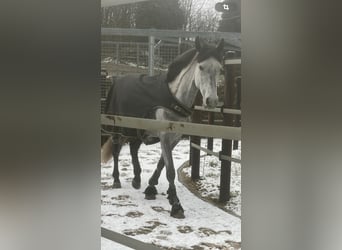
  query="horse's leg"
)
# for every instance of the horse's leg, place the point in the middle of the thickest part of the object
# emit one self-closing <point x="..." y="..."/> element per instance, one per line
<point x="151" y="191"/>
<point x="166" y="141"/>
<point x="134" y="147"/>
<point x="116" y="151"/>
<point x="156" y="174"/>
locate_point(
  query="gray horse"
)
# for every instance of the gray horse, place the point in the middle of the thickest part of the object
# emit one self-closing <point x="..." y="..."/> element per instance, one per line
<point x="163" y="97"/>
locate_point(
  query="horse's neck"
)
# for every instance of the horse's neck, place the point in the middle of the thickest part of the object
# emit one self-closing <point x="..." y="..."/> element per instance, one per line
<point x="183" y="86"/>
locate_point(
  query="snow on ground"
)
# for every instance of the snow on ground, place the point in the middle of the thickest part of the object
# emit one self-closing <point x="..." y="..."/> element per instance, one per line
<point x="205" y="226"/>
<point x="210" y="167"/>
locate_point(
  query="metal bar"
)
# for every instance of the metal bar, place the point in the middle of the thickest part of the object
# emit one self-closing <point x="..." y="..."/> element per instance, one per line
<point x="232" y="61"/>
<point x="222" y="157"/>
<point x="126" y="241"/>
<point x="186" y="128"/>
<point x="219" y="110"/>
<point x="232" y="38"/>
<point x="150" y="55"/>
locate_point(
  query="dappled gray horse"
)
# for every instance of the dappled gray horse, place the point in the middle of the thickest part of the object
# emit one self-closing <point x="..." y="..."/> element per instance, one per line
<point x="163" y="97"/>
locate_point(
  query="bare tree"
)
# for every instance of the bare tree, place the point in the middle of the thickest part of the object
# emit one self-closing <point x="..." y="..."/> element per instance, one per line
<point x="199" y="17"/>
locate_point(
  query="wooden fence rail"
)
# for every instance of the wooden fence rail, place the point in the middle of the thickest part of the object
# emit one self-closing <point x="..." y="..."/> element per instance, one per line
<point x="187" y="128"/>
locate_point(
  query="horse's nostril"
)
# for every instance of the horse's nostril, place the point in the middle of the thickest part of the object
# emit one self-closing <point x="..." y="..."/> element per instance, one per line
<point x="207" y="101"/>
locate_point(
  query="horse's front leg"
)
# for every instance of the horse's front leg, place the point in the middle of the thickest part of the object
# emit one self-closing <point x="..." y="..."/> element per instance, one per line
<point x="134" y="147"/>
<point x="166" y="141"/>
<point x="151" y="191"/>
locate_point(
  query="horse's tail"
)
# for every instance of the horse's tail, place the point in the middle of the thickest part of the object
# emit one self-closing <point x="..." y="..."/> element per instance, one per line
<point x="110" y="94"/>
<point x="106" y="151"/>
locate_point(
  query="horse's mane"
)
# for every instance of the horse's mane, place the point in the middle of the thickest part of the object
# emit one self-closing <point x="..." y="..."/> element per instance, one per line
<point x="179" y="63"/>
<point x="184" y="59"/>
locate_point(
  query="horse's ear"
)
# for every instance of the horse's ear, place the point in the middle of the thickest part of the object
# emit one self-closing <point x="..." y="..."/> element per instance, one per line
<point x="198" y="43"/>
<point x="220" y="46"/>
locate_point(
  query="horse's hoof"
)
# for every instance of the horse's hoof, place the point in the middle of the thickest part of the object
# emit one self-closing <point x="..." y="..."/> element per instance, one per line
<point x="177" y="211"/>
<point x="150" y="196"/>
<point x="136" y="184"/>
<point x="116" y="184"/>
<point x="150" y="193"/>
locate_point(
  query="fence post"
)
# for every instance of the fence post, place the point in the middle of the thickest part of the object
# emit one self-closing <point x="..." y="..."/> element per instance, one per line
<point x="179" y="45"/>
<point x="230" y="71"/>
<point x="138" y="52"/>
<point x="195" y="153"/>
<point x="210" y="139"/>
<point x="151" y="55"/>
<point x="117" y="53"/>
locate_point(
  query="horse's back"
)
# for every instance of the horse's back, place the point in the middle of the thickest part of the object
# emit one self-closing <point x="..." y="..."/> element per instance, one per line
<point x="136" y="95"/>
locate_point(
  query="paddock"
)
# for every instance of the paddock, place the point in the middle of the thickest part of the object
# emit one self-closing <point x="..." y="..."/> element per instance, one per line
<point x="228" y="131"/>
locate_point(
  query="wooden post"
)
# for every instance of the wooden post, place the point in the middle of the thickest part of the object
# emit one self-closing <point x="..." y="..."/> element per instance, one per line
<point x="237" y="119"/>
<point x="228" y="121"/>
<point x="195" y="153"/>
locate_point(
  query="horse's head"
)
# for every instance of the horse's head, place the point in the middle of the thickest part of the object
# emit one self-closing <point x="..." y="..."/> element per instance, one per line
<point x="208" y="70"/>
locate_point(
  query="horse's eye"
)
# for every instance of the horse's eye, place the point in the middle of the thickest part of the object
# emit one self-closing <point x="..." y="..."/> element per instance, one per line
<point x="201" y="67"/>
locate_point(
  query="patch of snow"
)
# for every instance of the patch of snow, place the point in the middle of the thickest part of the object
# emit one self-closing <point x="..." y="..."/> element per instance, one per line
<point x="107" y="60"/>
<point x="210" y="176"/>
<point x="126" y="211"/>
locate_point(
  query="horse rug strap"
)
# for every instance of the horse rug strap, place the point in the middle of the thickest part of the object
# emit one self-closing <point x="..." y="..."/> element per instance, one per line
<point x="139" y="95"/>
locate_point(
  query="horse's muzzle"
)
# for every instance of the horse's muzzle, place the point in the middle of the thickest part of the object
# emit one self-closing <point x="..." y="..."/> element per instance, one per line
<point x="211" y="102"/>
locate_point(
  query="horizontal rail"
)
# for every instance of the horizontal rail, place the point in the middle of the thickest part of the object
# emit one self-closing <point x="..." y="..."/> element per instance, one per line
<point x="232" y="61"/>
<point x="215" y="110"/>
<point x="219" y="110"/>
<point x="232" y="38"/>
<point x="223" y="157"/>
<point x="187" y="128"/>
<point x="126" y="241"/>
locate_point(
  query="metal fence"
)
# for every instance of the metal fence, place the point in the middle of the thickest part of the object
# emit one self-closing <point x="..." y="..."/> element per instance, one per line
<point x="119" y="58"/>
<point x="149" y="51"/>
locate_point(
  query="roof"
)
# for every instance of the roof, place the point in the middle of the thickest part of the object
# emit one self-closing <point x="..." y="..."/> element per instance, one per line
<point x="108" y="3"/>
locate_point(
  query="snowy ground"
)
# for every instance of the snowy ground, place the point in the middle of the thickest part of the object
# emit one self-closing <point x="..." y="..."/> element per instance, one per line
<point x="208" y="185"/>
<point x="205" y="226"/>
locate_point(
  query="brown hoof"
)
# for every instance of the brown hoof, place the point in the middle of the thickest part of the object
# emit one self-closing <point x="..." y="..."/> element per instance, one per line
<point x="150" y="193"/>
<point x="177" y="211"/>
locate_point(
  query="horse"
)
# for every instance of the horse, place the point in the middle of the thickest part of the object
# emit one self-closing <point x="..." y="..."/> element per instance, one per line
<point x="168" y="97"/>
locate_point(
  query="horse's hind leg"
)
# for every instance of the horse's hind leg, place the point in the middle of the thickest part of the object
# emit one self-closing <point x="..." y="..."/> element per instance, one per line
<point x="134" y="147"/>
<point x="116" y="151"/>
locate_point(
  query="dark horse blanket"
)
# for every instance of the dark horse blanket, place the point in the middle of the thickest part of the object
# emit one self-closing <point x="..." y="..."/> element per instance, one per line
<point x="138" y="96"/>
